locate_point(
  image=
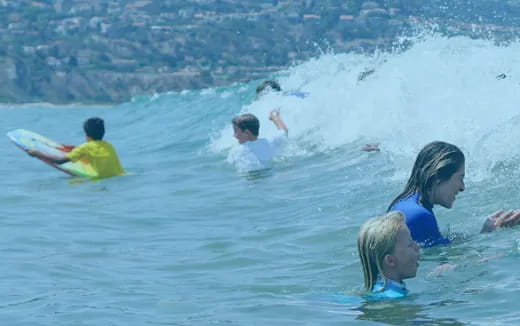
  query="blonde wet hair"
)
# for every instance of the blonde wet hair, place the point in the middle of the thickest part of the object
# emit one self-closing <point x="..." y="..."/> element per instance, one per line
<point x="376" y="239"/>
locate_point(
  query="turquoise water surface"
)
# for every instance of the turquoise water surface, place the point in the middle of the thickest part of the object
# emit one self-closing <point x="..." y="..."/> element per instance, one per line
<point x="184" y="239"/>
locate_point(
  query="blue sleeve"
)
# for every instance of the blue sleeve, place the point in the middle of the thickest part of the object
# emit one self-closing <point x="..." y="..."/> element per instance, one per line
<point x="421" y="222"/>
<point x="424" y="229"/>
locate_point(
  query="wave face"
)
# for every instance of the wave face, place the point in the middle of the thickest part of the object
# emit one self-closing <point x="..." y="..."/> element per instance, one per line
<point x="185" y="239"/>
<point x="456" y="89"/>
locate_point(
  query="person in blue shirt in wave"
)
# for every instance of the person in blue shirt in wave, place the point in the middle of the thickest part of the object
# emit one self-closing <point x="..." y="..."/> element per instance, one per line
<point x="271" y="85"/>
<point x="436" y="179"/>
<point x="388" y="256"/>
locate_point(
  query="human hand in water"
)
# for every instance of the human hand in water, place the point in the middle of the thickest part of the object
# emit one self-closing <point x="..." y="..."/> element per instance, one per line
<point x="370" y="148"/>
<point x="67" y="148"/>
<point x="31" y="152"/>
<point x="441" y="269"/>
<point x="274" y="115"/>
<point x="508" y="220"/>
<point x="500" y="219"/>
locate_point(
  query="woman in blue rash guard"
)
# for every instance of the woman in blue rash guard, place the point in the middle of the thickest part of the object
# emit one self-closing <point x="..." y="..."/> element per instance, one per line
<point x="437" y="177"/>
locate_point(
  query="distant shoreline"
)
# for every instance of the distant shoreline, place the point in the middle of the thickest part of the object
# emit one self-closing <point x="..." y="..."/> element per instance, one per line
<point x="102" y="52"/>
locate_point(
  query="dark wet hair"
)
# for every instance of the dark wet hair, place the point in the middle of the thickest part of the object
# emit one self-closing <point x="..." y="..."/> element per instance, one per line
<point x="94" y="128"/>
<point x="247" y="122"/>
<point x="268" y="83"/>
<point x="436" y="161"/>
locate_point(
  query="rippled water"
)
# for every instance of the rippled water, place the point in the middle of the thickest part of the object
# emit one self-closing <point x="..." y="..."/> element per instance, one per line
<point x="183" y="239"/>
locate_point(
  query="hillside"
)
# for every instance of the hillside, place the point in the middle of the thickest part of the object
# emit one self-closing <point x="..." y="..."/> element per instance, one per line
<point x="105" y="51"/>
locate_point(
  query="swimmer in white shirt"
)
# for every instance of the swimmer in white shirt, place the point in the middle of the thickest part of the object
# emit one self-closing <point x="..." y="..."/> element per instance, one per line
<point x="256" y="153"/>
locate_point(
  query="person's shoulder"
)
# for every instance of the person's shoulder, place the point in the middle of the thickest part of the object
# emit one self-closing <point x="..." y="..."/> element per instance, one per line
<point x="80" y="147"/>
<point x="279" y="137"/>
<point x="98" y="144"/>
<point x="256" y="143"/>
<point x="104" y="143"/>
<point x="78" y="151"/>
<point x="411" y="208"/>
<point x="387" y="294"/>
<point x="95" y="146"/>
<point x="387" y="290"/>
<point x="244" y="149"/>
<point x="393" y="295"/>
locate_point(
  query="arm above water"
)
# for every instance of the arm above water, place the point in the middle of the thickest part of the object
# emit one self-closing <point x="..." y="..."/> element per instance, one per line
<point x="442" y="269"/>
<point x="47" y="157"/>
<point x="67" y="148"/>
<point x="274" y="116"/>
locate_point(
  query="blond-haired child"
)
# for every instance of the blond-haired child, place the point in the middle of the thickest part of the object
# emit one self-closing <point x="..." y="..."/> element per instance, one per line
<point x="388" y="255"/>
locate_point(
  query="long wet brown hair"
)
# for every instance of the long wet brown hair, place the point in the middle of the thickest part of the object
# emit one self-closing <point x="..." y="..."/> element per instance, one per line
<point x="436" y="161"/>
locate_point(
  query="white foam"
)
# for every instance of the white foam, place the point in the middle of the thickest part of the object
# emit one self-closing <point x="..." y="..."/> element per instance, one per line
<point x="439" y="89"/>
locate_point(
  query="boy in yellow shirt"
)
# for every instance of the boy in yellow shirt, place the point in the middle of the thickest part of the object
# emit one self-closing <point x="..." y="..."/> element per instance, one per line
<point x="99" y="153"/>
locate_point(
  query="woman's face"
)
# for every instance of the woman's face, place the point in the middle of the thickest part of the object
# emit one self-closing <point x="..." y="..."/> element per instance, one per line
<point x="444" y="192"/>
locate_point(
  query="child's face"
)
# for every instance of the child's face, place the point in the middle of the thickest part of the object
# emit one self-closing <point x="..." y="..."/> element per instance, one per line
<point x="241" y="135"/>
<point x="406" y="254"/>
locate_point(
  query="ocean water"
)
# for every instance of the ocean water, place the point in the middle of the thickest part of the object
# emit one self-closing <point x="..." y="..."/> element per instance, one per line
<point x="184" y="239"/>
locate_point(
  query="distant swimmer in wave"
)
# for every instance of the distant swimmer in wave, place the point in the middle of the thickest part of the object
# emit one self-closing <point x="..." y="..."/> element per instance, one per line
<point x="271" y="85"/>
<point x="99" y="153"/>
<point x="267" y="86"/>
<point x="388" y="256"/>
<point x="255" y="153"/>
<point x="365" y="74"/>
<point x="436" y="179"/>
<point x="370" y="148"/>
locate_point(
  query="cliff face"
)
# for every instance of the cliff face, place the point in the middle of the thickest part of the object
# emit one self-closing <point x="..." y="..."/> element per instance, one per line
<point x="105" y="51"/>
<point x="98" y="86"/>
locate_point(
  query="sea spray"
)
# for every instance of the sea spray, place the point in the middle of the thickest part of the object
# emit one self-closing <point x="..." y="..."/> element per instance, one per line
<point x="441" y="88"/>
